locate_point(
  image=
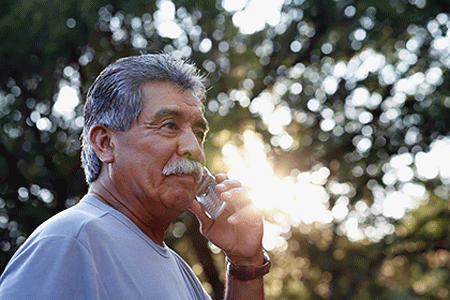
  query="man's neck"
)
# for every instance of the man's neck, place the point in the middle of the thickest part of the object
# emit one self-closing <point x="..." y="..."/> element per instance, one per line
<point x="150" y="225"/>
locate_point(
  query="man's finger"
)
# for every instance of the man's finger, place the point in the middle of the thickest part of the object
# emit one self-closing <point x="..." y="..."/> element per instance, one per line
<point x="198" y="210"/>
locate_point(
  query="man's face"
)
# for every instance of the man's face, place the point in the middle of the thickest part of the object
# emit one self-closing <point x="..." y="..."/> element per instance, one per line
<point x="170" y="126"/>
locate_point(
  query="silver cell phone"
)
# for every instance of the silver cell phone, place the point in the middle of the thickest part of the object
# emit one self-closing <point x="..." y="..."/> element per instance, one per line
<point x="208" y="196"/>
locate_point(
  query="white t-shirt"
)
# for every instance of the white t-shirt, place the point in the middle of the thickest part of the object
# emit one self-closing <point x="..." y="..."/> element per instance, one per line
<point x="92" y="251"/>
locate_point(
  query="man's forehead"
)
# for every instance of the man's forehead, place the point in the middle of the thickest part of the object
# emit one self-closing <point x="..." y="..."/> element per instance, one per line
<point x="161" y="99"/>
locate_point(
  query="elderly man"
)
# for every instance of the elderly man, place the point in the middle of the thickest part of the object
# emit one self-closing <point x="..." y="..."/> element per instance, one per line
<point x="143" y="156"/>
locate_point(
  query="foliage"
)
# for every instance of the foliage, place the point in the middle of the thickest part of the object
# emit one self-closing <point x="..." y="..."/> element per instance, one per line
<point x="354" y="93"/>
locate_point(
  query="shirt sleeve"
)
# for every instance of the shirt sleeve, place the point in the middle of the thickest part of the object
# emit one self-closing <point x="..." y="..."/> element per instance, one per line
<point x="55" y="267"/>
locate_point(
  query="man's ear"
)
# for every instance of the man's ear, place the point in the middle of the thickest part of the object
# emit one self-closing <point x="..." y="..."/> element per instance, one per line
<point x="101" y="141"/>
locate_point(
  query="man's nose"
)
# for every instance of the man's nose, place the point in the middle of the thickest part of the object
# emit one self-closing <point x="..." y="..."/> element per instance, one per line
<point x="190" y="147"/>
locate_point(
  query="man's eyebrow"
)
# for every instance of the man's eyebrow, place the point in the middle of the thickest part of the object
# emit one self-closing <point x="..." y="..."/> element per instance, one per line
<point x="165" y="112"/>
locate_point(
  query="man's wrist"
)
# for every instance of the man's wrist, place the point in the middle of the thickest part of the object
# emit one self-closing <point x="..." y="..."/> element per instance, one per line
<point x="249" y="272"/>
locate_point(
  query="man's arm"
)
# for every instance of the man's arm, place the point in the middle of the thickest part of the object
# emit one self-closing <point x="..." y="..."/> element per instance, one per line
<point x="238" y="231"/>
<point x="250" y="289"/>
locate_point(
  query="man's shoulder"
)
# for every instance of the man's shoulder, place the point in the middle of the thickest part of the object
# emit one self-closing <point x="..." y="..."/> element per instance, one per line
<point x="72" y="220"/>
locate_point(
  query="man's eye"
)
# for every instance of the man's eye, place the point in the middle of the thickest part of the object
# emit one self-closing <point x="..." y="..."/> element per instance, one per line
<point x="201" y="135"/>
<point x="170" y="125"/>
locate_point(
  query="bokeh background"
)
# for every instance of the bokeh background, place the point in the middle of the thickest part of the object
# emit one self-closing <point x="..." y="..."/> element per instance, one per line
<point x="334" y="113"/>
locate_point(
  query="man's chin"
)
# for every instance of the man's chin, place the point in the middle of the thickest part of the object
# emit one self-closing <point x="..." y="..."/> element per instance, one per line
<point x="179" y="202"/>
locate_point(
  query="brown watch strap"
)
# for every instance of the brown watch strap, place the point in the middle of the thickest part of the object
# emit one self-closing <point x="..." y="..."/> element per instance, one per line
<point x="249" y="273"/>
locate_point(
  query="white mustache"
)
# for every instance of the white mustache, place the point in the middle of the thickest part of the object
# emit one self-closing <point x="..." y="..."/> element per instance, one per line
<point x="184" y="166"/>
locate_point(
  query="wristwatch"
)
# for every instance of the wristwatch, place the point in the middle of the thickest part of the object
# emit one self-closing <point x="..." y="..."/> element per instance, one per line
<point x="249" y="273"/>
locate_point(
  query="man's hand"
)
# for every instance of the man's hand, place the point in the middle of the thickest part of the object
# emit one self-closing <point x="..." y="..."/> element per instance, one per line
<point x="238" y="231"/>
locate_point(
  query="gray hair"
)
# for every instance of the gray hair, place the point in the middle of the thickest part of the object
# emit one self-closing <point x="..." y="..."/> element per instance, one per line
<point x="114" y="99"/>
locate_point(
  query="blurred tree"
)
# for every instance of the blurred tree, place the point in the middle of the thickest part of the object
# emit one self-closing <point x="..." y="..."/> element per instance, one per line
<point x="348" y="94"/>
